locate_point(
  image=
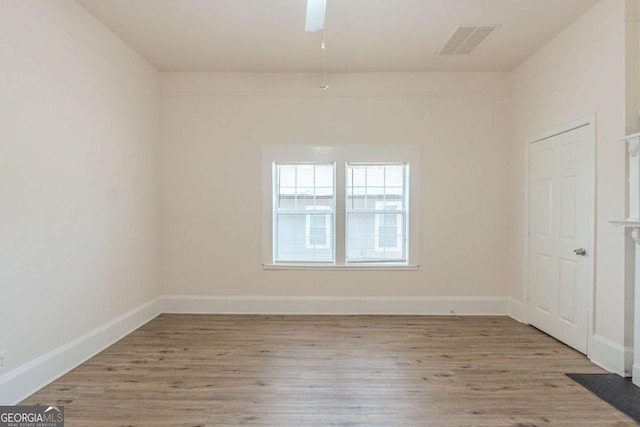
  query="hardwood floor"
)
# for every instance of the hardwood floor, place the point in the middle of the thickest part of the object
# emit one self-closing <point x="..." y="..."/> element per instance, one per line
<point x="219" y="370"/>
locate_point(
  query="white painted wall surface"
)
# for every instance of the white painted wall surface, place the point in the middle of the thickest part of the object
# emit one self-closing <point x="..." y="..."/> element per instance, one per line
<point x="580" y="72"/>
<point x="214" y="124"/>
<point x="78" y="177"/>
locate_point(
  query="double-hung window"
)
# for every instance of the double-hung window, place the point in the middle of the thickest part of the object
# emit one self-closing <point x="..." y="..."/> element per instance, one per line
<point x="304" y="203"/>
<point x="340" y="206"/>
<point x="375" y="212"/>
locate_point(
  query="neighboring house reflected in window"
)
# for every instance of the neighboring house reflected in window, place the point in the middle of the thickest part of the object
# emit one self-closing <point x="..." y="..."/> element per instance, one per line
<point x="318" y="230"/>
<point x="388" y="227"/>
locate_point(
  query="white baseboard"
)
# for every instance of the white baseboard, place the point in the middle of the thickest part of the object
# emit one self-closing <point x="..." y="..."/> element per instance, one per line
<point x="610" y="355"/>
<point x="516" y="310"/>
<point x="18" y="384"/>
<point x="636" y="374"/>
<point x="207" y="304"/>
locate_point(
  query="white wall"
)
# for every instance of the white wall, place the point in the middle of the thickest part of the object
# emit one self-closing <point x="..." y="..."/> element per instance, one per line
<point x="78" y="177"/>
<point x="580" y="72"/>
<point x="214" y="124"/>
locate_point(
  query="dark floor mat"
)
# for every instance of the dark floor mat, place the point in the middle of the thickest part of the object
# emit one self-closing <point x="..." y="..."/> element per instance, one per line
<point x="613" y="389"/>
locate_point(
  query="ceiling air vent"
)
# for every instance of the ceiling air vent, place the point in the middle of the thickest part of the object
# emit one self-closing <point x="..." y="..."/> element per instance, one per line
<point x="466" y="39"/>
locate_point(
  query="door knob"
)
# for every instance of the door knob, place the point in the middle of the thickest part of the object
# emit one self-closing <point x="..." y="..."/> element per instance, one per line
<point x="580" y="251"/>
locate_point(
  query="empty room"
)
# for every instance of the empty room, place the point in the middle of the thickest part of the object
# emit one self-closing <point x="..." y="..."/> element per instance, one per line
<point x="319" y="212"/>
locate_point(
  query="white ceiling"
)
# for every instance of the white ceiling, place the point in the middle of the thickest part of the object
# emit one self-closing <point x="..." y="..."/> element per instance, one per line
<point x="362" y="35"/>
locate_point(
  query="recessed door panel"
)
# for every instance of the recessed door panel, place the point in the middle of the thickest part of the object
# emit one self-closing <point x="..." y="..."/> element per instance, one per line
<point x="568" y="208"/>
<point x="567" y="290"/>
<point x="544" y="267"/>
<point x="544" y="204"/>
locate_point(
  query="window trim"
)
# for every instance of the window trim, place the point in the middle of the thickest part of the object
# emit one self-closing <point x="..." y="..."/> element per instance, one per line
<point x="340" y="155"/>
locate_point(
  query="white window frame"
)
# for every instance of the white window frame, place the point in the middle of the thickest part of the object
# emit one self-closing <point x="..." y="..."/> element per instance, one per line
<point x="383" y="211"/>
<point x="341" y="155"/>
<point x="320" y="210"/>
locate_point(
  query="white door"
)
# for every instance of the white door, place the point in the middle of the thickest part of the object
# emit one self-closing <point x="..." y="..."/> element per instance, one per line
<point x="560" y="236"/>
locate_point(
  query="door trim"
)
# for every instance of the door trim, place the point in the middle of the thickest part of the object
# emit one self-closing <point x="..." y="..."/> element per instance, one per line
<point x="590" y="121"/>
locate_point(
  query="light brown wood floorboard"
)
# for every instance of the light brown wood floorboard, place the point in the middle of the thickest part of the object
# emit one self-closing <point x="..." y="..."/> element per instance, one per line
<point x="227" y="370"/>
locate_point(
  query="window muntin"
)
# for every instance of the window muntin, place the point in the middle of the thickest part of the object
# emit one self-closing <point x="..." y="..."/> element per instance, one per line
<point x="304" y="212"/>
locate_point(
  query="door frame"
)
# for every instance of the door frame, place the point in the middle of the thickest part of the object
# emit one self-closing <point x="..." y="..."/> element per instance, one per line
<point x="590" y="121"/>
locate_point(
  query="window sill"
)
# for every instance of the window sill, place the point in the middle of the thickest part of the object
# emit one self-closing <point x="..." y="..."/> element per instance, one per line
<point x="332" y="267"/>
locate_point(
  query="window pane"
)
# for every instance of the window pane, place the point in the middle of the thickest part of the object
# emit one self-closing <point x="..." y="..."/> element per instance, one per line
<point x="297" y="241"/>
<point x="302" y="186"/>
<point x="360" y="236"/>
<point x="394" y="176"/>
<point x="317" y="220"/>
<point x="368" y="185"/>
<point x="375" y="176"/>
<point x="324" y="176"/>
<point x="388" y="237"/>
<point x="369" y="240"/>
<point x="389" y="220"/>
<point x="287" y="175"/>
<point x="317" y="236"/>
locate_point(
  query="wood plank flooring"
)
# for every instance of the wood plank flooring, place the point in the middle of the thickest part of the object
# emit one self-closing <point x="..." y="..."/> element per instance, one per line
<point x="227" y="370"/>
